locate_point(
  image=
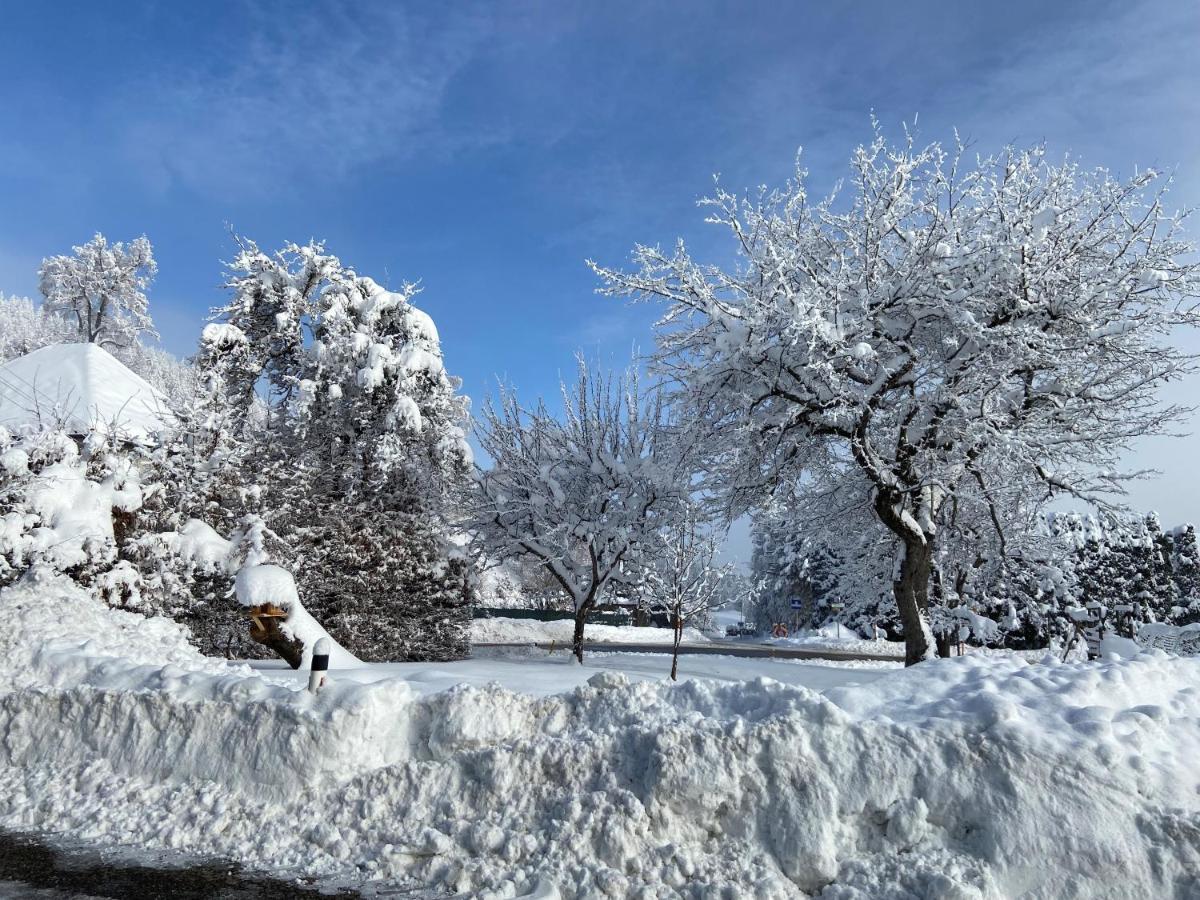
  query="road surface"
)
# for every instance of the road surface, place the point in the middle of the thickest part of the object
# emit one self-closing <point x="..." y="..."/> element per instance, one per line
<point x="715" y="648"/>
<point x="33" y="869"/>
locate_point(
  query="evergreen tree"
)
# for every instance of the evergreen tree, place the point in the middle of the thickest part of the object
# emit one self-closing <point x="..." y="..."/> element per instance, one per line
<point x="1186" y="574"/>
<point x="326" y="401"/>
<point x="1160" y="564"/>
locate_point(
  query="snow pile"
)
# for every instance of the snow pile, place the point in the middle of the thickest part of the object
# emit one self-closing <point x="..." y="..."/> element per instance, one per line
<point x="965" y="778"/>
<point x="107" y="694"/>
<point x="845" y="640"/>
<point x="503" y="630"/>
<point x="56" y="635"/>
<point x="82" y="389"/>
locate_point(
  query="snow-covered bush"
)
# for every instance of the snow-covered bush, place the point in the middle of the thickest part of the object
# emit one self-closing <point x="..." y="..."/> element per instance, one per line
<point x="65" y="511"/>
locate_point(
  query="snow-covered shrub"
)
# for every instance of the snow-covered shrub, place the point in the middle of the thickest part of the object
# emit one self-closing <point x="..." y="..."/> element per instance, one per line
<point x="386" y="586"/>
<point x="64" y="510"/>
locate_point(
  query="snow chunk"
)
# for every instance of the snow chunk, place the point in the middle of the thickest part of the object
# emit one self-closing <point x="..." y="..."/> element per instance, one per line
<point x="266" y="583"/>
<point x="199" y="544"/>
<point x="862" y="350"/>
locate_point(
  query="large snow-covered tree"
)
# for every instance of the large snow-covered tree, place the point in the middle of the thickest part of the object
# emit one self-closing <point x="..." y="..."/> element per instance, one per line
<point x="326" y="407"/>
<point x="101" y="290"/>
<point x="585" y="493"/>
<point x="946" y="322"/>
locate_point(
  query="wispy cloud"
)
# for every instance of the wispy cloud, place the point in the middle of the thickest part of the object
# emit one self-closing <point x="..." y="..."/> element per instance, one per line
<point x="310" y="93"/>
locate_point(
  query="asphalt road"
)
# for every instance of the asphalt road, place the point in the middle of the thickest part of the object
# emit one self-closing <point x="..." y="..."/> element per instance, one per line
<point x="32" y="869"/>
<point x="717" y="648"/>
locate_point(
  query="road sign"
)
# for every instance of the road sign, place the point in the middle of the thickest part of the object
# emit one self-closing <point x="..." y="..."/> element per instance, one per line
<point x="797" y="603"/>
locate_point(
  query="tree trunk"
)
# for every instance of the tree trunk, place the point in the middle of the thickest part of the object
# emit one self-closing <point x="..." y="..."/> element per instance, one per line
<point x="944" y="642"/>
<point x="912" y="598"/>
<point x="266" y="629"/>
<point x="677" y="624"/>
<point x="580" y="615"/>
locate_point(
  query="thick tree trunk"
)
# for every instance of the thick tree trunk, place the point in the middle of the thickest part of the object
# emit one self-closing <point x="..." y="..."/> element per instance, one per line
<point x="912" y="599"/>
<point x="581" y="615"/>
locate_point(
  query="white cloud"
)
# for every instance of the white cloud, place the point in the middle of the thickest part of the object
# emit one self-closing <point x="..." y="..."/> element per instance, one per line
<point x="307" y="93"/>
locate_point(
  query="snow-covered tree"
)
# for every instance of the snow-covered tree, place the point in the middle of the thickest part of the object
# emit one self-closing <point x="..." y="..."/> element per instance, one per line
<point x="946" y="323"/>
<point x="1186" y="572"/>
<point x="385" y="584"/>
<point x="325" y="407"/>
<point x="25" y="327"/>
<point x="684" y="577"/>
<point x="174" y="377"/>
<point x="582" y="494"/>
<point x="101" y="290"/>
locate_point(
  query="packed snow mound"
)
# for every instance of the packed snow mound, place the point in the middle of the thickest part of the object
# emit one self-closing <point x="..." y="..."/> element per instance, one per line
<point x="57" y="635"/>
<point x="845" y="640"/>
<point x="503" y="630"/>
<point x="81" y="389"/>
<point x="963" y="778"/>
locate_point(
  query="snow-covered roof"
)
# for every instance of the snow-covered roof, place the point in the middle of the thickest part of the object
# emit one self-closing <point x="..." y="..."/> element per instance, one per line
<point x="80" y="388"/>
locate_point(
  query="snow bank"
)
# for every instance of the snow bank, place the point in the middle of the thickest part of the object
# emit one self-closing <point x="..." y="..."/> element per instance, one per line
<point x="846" y="641"/>
<point x="963" y="778"/>
<point x="502" y="630"/>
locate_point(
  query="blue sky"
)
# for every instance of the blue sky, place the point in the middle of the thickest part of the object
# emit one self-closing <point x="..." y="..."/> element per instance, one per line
<point x="487" y="150"/>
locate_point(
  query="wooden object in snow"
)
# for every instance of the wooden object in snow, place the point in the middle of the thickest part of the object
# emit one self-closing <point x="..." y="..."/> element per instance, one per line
<point x="266" y="628"/>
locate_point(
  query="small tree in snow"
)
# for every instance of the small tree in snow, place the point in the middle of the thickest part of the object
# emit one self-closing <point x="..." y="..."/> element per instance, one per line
<point x="101" y="289"/>
<point x="684" y="577"/>
<point x="943" y="324"/>
<point x="581" y="494"/>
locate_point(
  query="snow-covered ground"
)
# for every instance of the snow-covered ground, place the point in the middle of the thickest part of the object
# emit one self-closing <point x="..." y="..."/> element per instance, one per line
<point x="843" y="640"/>
<point x="538" y="673"/>
<point x="503" y="630"/>
<point x="979" y="777"/>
